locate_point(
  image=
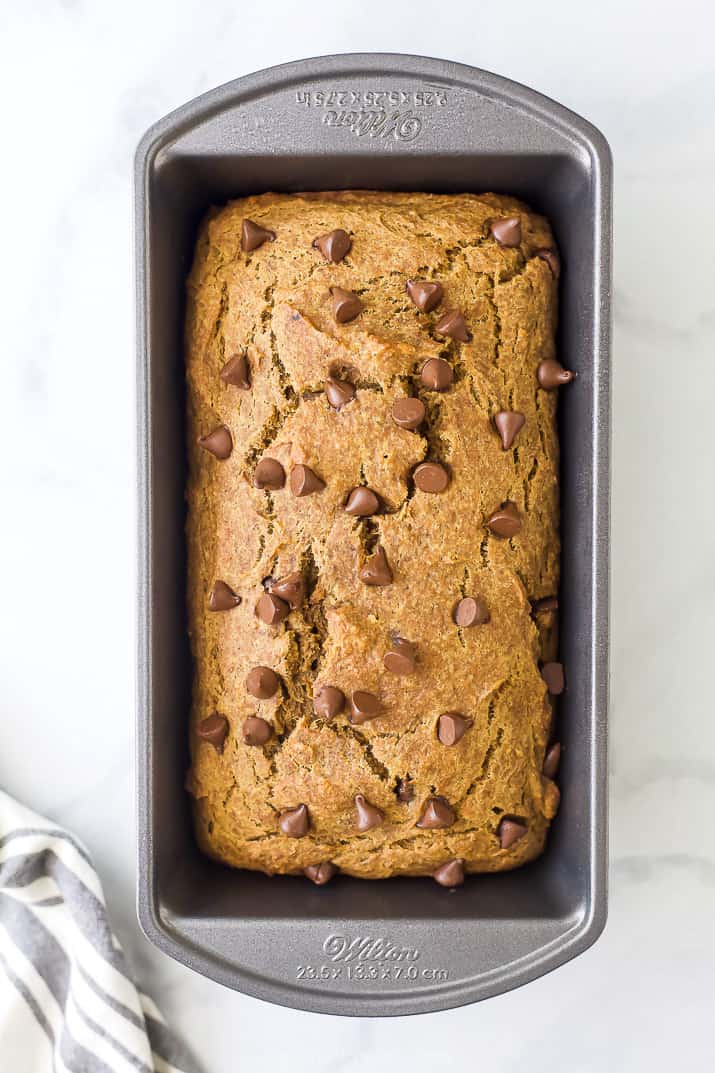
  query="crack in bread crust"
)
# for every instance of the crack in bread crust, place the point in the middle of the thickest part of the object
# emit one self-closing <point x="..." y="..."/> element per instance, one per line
<point x="274" y="306"/>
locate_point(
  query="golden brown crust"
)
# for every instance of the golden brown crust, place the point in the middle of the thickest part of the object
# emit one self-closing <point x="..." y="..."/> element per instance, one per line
<point x="274" y="304"/>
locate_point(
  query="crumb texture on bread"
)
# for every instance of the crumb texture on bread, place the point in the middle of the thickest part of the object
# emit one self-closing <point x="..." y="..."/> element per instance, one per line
<point x="271" y="309"/>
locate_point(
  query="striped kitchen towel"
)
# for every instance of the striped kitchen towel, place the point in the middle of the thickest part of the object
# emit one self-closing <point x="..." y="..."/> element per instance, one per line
<point x="67" y="1003"/>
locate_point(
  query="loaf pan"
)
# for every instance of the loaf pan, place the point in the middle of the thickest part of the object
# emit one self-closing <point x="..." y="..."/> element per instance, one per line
<point x="393" y="123"/>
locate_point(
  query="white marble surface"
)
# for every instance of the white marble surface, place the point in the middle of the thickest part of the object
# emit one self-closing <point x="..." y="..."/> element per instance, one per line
<point x="80" y="82"/>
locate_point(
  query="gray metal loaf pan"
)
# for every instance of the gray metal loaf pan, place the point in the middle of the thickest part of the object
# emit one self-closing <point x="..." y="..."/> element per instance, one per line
<point x="395" y="123"/>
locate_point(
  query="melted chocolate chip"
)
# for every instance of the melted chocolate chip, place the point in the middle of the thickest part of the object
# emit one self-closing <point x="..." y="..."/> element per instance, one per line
<point x="451" y="873"/>
<point x="262" y="682"/>
<point x="551" y="374"/>
<point x="269" y="474"/>
<point x="552" y="259"/>
<point x="236" y="372"/>
<point x="437" y="374"/>
<point x="339" y="392"/>
<point x="451" y="727"/>
<point x="253" y="236"/>
<point x="256" y="731"/>
<point x="271" y="609"/>
<point x="321" y="873"/>
<point x="509" y="424"/>
<point x="408" y="413"/>
<point x="335" y="245"/>
<point x="305" y="482"/>
<point x="507" y="232"/>
<point x="505" y="522"/>
<point x="290" y="588"/>
<point x="328" y="702"/>
<point x="510" y="831"/>
<point x="362" y="502"/>
<point x="376" y="569"/>
<point x="214" y="730"/>
<point x="363" y="707"/>
<point x="426" y="294"/>
<point x="222" y="597"/>
<point x="295" y="822"/>
<point x="218" y="443"/>
<point x="401" y="658"/>
<point x="367" y="815"/>
<point x="453" y="325"/>
<point x="553" y="675"/>
<point x="544" y="605"/>
<point x="552" y="760"/>
<point x="471" y="611"/>
<point x="346" y="305"/>
<point x="405" y="790"/>
<point x="431" y="477"/>
<point x="437" y="813"/>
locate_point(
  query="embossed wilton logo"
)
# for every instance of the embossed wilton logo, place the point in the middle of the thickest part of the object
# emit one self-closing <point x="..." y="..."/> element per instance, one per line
<point x="377" y="123"/>
<point x="364" y="948"/>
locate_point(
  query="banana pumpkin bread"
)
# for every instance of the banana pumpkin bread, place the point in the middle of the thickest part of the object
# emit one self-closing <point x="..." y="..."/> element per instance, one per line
<point x="373" y="533"/>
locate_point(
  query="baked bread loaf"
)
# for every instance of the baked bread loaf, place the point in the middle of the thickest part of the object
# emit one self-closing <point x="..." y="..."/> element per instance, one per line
<point x="373" y="533"/>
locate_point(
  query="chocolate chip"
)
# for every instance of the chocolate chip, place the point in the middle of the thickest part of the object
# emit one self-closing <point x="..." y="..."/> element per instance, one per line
<point x="552" y="259"/>
<point x="328" y="702"/>
<point x="545" y="604"/>
<point x="295" y="822"/>
<point x="408" y="413"/>
<point x="222" y="597"/>
<point x="505" y="522"/>
<point x="552" y="760"/>
<point x="262" y="682"/>
<point x="269" y="474"/>
<point x="452" y="726"/>
<point x="510" y="831"/>
<point x="272" y="610"/>
<point x="305" y="482"/>
<point x="508" y="424"/>
<point x="362" y="502"/>
<point x="401" y="658"/>
<point x="363" y="707"/>
<point x="437" y="813"/>
<point x="335" y="245"/>
<point x="376" y="569"/>
<point x="431" y="477"/>
<point x="290" y="588"/>
<point x="471" y="611"/>
<point x="339" y="392"/>
<point x="367" y="815"/>
<point x="218" y="443"/>
<point x="451" y="873"/>
<point x="437" y="374"/>
<point x="551" y="374"/>
<point x="553" y="675"/>
<point x="320" y="873"/>
<point x="507" y="232"/>
<point x="236" y="372"/>
<point x="454" y="325"/>
<point x="256" y="731"/>
<point x="426" y="294"/>
<point x="213" y="729"/>
<point x="346" y="305"/>
<point x="253" y="236"/>
<point x="405" y="790"/>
